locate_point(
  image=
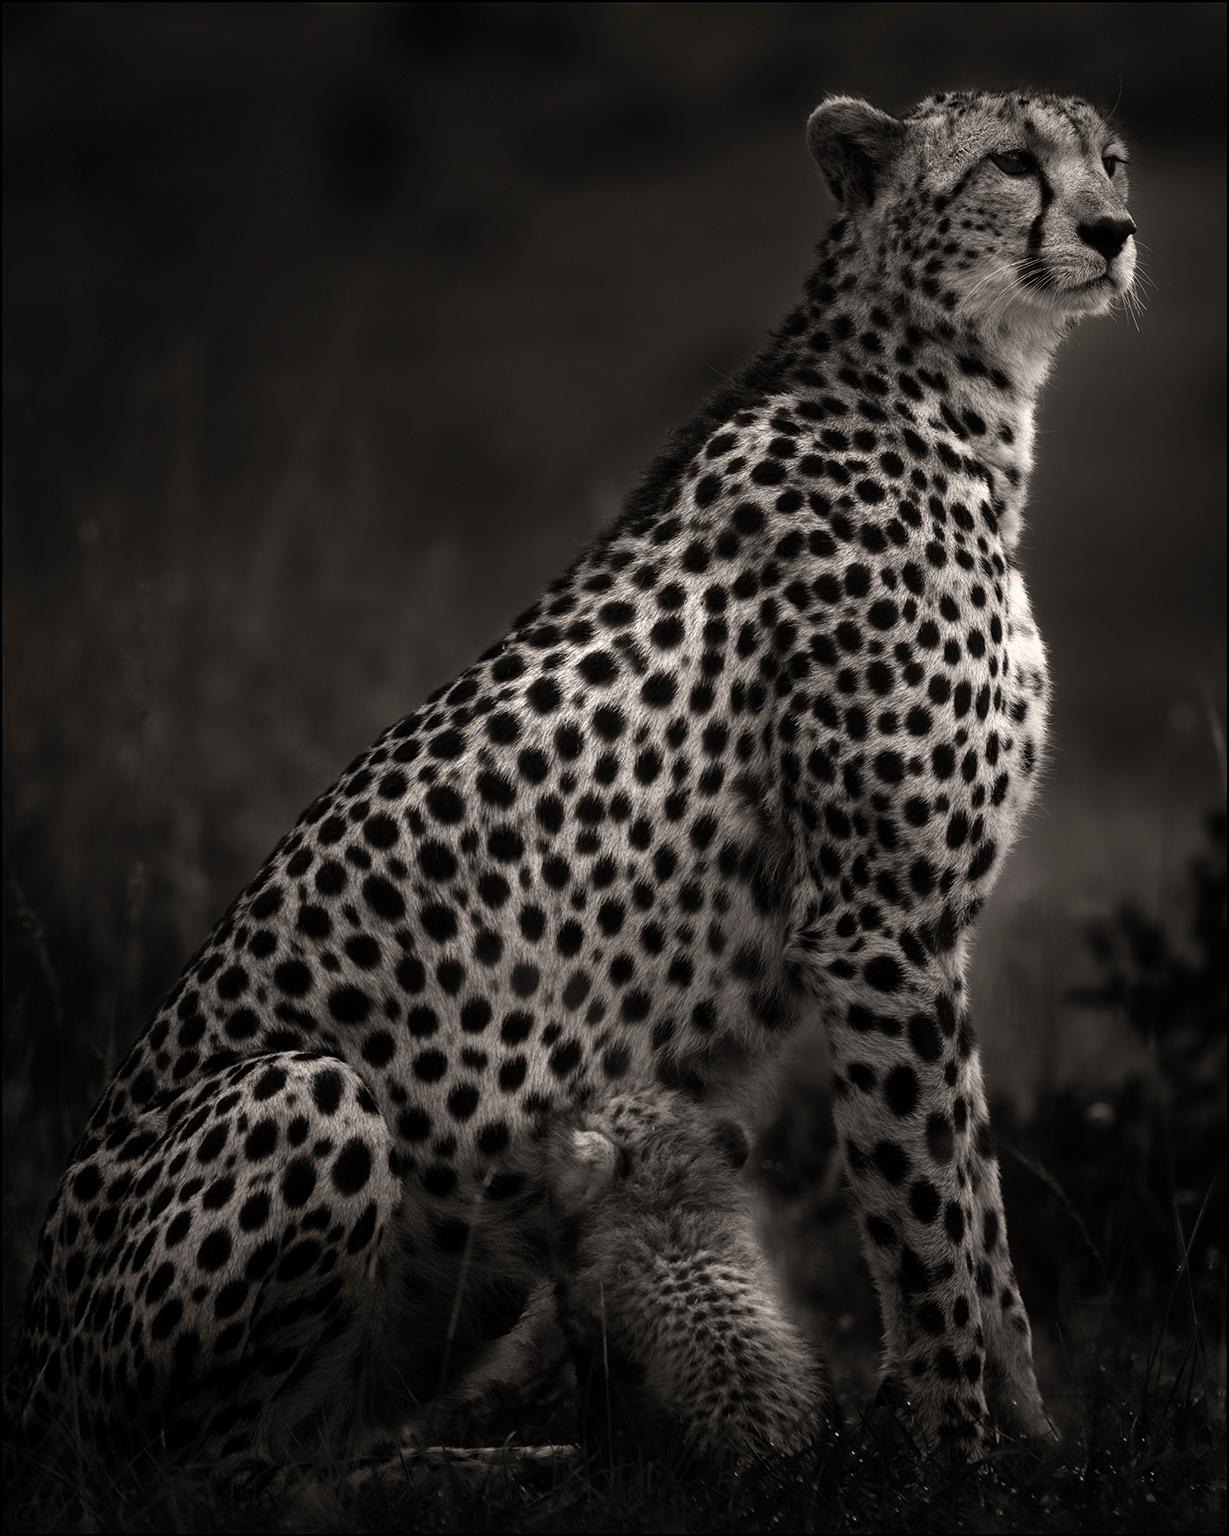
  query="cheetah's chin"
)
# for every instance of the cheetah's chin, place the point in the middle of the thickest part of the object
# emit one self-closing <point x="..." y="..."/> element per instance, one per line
<point x="1090" y="298"/>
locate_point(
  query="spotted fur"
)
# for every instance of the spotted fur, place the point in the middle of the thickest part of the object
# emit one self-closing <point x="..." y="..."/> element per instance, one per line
<point x="756" y="758"/>
<point x="674" y="1315"/>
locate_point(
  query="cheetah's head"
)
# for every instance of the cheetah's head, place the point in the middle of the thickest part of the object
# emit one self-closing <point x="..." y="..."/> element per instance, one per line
<point x="645" y="1193"/>
<point x="642" y="1151"/>
<point x="1006" y="208"/>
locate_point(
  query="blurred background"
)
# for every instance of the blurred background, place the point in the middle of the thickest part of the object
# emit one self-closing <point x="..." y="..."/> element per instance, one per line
<point x="331" y="332"/>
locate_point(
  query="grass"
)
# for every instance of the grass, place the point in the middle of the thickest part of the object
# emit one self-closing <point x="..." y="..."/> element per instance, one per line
<point x="1132" y="1460"/>
<point x="1125" y="1187"/>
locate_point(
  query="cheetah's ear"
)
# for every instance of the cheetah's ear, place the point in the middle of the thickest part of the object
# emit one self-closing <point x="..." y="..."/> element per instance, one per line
<point x="585" y="1165"/>
<point x="852" y="142"/>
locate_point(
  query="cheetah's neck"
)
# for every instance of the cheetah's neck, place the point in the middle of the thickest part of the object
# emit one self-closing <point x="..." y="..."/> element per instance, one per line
<point x="868" y="330"/>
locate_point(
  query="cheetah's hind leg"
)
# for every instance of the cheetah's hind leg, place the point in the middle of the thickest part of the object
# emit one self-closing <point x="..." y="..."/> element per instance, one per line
<point x="246" y="1269"/>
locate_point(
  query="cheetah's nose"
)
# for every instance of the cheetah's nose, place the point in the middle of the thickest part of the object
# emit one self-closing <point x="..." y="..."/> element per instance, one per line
<point x="1108" y="236"/>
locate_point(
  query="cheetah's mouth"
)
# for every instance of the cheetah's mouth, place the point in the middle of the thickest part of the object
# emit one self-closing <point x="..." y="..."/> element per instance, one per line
<point x="1079" y="296"/>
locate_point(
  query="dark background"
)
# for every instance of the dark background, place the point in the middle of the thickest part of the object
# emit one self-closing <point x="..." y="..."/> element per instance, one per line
<point x="332" y="332"/>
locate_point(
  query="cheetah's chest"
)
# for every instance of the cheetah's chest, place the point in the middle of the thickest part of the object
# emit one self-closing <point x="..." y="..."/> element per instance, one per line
<point x="1026" y="698"/>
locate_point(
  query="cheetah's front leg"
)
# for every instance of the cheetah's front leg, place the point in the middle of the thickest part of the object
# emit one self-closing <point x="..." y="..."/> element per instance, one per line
<point x="910" y="1110"/>
<point x="1015" y="1403"/>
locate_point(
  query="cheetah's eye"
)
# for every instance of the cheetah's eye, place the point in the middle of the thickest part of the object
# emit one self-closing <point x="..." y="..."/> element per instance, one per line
<point x="1015" y="162"/>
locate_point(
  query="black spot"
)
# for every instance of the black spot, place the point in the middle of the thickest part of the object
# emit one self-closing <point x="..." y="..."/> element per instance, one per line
<point x="924" y="1037"/>
<point x="166" y="1319"/>
<point x="261" y="1140"/>
<point x="947" y="1364"/>
<point x="430" y="1066"/>
<point x="930" y="1317"/>
<point x="230" y="1298"/>
<point x="177" y="1230"/>
<point x="659" y="690"/>
<point x="384" y="899"/>
<point x="512" y="1073"/>
<point x="436" y="860"/>
<point x="270" y="1082"/>
<point x="445" y="804"/>
<point x="924" y="1200"/>
<point x="254" y="1211"/>
<point x="940" y="1139"/>
<point x="565" y="1058"/>
<point x="219" y="1193"/>
<point x="914" y="1275"/>
<point x="413" y="1125"/>
<point x="214" y="1250"/>
<point x="293" y="978"/>
<point x="298" y="1182"/>
<point x="352" y="1167"/>
<point x="242" y="1024"/>
<point x="463" y="1101"/>
<point x="326" y="1090"/>
<point x="439" y="922"/>
<point x="543" y="695"/>
<point x="598" y="668"/>
<point x="439" y="1180"/>
<point x="900" y="1089"/>
<point x="883" y="973"/>
<point x="298" y="1261"/>
<point x="380" y="830"/>
<point x="891" y="1160"/>
<point x="349" y="1005"/>
<point x="87" y="1183"/>
<point x="363" y="1229"/>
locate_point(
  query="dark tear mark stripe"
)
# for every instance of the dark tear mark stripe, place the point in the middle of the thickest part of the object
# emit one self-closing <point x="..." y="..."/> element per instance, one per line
<point x="964" y="181"/>
<point x="1047" y="197"/>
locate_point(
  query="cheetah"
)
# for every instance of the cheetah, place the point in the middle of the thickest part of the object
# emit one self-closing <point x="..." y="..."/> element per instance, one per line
<point x="754" y="761"/>
<point x="673" y="1313"/>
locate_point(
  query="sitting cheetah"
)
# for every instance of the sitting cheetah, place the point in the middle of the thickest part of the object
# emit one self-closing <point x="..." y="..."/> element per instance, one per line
<point x="671" y="1308"/>
<point x="755" y="759"/>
